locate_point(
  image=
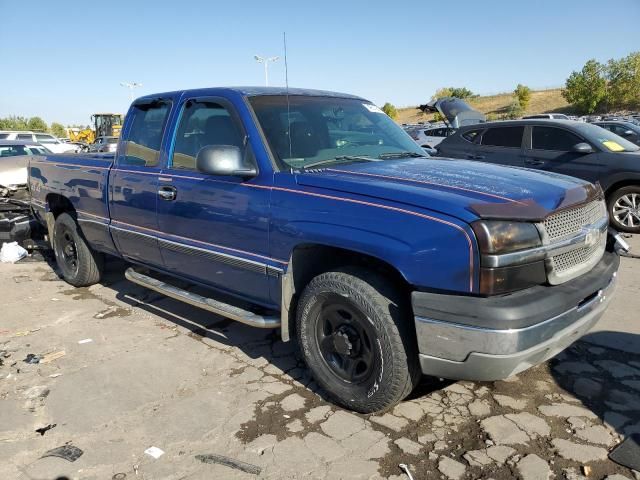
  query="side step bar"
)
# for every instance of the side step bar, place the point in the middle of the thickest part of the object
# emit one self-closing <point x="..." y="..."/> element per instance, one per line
<point x="209" y="304"/>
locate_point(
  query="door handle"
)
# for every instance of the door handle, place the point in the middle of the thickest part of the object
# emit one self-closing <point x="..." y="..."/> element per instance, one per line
<point x="475" y="157"/>
<point x="168" y="193"/>
<point x="534" y="162"/>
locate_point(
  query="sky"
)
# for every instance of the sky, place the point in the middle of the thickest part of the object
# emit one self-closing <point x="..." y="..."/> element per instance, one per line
<point x="65" y="61"/>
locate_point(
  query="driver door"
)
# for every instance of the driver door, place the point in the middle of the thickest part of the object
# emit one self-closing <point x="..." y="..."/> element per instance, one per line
<point x="214" y="229"/>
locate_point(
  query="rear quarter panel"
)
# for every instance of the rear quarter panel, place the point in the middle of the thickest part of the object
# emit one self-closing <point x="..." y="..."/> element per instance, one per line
<point x="81" y="180"/>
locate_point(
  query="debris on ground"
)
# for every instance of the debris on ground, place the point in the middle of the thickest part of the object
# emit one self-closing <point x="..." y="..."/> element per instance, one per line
<point x="11" y="252"/>
<point x="37" y="391"/>
<point x="45" y="429"/>
<point x="24" y="333"/>
<point x="32" y="358"/>
<point x="86" y="340"/>
<point x="627" y="453"/>
<point x="50" y="357"/>
<point x="154" y="452"/>
<point x="406" y="470"/>
<point x="66" y="452"/>
<point x="213" y="458"/>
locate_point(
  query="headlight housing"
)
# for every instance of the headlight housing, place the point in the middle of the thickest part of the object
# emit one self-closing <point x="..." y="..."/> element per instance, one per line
<point x="502" y="237"/>
<point x="498" y="239"/>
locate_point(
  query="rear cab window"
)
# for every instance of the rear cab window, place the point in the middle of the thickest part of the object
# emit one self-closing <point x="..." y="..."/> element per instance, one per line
<point x="142" y="145"/>
<point x="510" y="137"/>
<point x="551" y="138"/>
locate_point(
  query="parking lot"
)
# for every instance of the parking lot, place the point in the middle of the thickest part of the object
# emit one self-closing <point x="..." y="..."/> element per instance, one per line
<point x="123" y="369"/>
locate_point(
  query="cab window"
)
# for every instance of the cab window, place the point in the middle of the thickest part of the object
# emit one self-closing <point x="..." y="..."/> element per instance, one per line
<point x="549" y="138"/>
<point x="142" y="146"/>
<point x="503" y="137"/>
<point x="203" y="123"/>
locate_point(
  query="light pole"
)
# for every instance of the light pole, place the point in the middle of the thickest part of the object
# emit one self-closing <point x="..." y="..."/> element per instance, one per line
<point x="265" y="61"/>
<point x="131" y="86"/>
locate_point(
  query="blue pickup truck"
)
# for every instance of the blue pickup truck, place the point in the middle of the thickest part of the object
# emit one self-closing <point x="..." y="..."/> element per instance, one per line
<point x="316" y="214"/>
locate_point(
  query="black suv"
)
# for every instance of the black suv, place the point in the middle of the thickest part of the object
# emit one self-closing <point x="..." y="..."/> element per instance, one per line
<point x="572" y="148"/>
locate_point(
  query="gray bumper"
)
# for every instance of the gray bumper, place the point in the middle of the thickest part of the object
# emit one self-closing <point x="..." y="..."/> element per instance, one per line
<point x="469" y="352"/>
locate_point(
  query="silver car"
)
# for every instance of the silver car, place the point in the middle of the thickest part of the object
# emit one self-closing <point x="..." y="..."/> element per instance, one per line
<point x="104" y="144"/>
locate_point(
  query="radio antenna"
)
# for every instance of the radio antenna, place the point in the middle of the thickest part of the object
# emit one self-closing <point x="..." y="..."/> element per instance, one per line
<point x="286" y="80"/>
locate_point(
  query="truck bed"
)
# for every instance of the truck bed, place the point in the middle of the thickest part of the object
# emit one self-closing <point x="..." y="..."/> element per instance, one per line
<point x="81" y="180"/>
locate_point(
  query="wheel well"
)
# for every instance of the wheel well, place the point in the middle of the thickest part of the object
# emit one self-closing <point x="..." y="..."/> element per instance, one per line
<point x="59" y="204"/>
<point x="622" y="183"/>
<point x="310" y="260"/>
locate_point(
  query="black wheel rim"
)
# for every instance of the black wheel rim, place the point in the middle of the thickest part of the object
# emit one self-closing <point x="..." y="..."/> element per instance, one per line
<point x="346" y="339"/>
<point x="67" y="250"/>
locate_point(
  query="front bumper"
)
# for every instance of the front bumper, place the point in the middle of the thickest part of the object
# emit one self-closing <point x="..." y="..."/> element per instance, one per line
<point x="491" y="338"/>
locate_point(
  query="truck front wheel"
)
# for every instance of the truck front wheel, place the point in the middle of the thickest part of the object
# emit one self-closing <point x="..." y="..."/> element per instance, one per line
<point x="80" y="265"/>
<point x="358" y="339"/>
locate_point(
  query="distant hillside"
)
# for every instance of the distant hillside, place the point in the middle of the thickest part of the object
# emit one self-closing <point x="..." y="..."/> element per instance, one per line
<point x="542" y="101"/>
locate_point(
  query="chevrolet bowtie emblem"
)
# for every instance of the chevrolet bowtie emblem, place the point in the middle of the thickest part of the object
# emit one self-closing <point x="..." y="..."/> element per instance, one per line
<point x="591" y="237"/>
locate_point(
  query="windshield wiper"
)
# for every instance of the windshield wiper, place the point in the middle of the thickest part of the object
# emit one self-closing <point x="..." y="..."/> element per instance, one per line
<point x="386" y="156"/>
<point x="339" y="159"/>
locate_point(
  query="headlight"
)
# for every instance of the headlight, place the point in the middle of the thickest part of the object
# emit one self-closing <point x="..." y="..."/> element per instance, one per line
<point x="502" y="237"/>
<point x="496" y="238"/>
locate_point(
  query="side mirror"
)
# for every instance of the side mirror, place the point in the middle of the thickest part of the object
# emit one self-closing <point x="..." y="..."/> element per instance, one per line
<point x="223" y="160"/>
<point x="582" y="147"/>
<point x="628" y="133"/>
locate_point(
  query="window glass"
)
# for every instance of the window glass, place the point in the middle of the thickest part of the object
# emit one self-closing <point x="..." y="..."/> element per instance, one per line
<point x="142" y="147"/>
<point x="45" y="138"/>
<point x="4" y="136"/>
<point x="550" y="138"/>
<point x="471" y="135"/>
<point x="314" y="130"/>
<point x="24" y="136"/>
<point x="202" y="124"/>
<point x="619" y="129"/>
<point x="12" y="151"/>
<point x="35" y="150"/>
<point x="503" y="137"/>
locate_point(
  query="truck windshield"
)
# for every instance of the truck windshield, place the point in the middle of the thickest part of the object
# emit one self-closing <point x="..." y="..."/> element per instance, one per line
<point x="316" y="130"/>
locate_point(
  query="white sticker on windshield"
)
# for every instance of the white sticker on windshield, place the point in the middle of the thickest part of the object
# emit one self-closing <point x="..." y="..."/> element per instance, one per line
<point x="372" y="108"/>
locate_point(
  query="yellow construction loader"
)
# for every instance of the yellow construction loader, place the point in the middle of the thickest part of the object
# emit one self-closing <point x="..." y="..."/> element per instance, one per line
<point x="104" y="125"/>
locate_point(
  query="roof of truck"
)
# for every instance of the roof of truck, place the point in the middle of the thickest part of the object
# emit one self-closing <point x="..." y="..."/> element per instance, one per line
<point x="257" y="91"/>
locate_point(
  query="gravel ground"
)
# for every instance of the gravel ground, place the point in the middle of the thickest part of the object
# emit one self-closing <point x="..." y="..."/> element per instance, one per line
<point x="139" y="370"/>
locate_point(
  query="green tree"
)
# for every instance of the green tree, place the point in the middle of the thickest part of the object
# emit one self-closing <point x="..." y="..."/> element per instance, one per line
<point x="58" y="130"/>
<point x="14" y="123"/>
<point x="522" y="94"/>
<point x="461" y="92"/>
<point x="390" y="110"/>
<point x="457" y="92"/>
<point x="586" y="89"/>
<point x="624" y="82"/>
<point x="37" y="124"/>
<point x="515" y="110"/>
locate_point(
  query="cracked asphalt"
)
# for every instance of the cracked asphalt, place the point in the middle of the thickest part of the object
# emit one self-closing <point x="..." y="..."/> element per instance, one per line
<point x="123" y="369"/>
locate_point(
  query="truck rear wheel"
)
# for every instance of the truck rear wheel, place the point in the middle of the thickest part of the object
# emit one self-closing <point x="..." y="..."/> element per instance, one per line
<point x="80" y="265"/>
<point x="357" y="339"/>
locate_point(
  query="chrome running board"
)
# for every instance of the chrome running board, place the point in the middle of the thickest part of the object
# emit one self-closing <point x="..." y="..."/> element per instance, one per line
<point x="209" y="304"/>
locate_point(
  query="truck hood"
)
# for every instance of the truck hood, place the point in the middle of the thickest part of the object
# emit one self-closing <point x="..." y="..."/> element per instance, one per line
<point x="463" y="189"/>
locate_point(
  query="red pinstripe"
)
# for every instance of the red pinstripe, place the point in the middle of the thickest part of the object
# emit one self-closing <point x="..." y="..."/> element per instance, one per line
<point x="385" y="207"/>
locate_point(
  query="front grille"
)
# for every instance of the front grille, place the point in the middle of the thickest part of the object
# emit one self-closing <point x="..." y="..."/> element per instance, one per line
<point x="584" y="255"/>
<point x="567" y="224"/>
<point x="570" y="222"/>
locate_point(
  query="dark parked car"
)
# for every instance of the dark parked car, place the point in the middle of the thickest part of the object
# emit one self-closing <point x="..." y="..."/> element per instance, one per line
<point x="578" y="149"/>
<point x="627" y="130"/>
